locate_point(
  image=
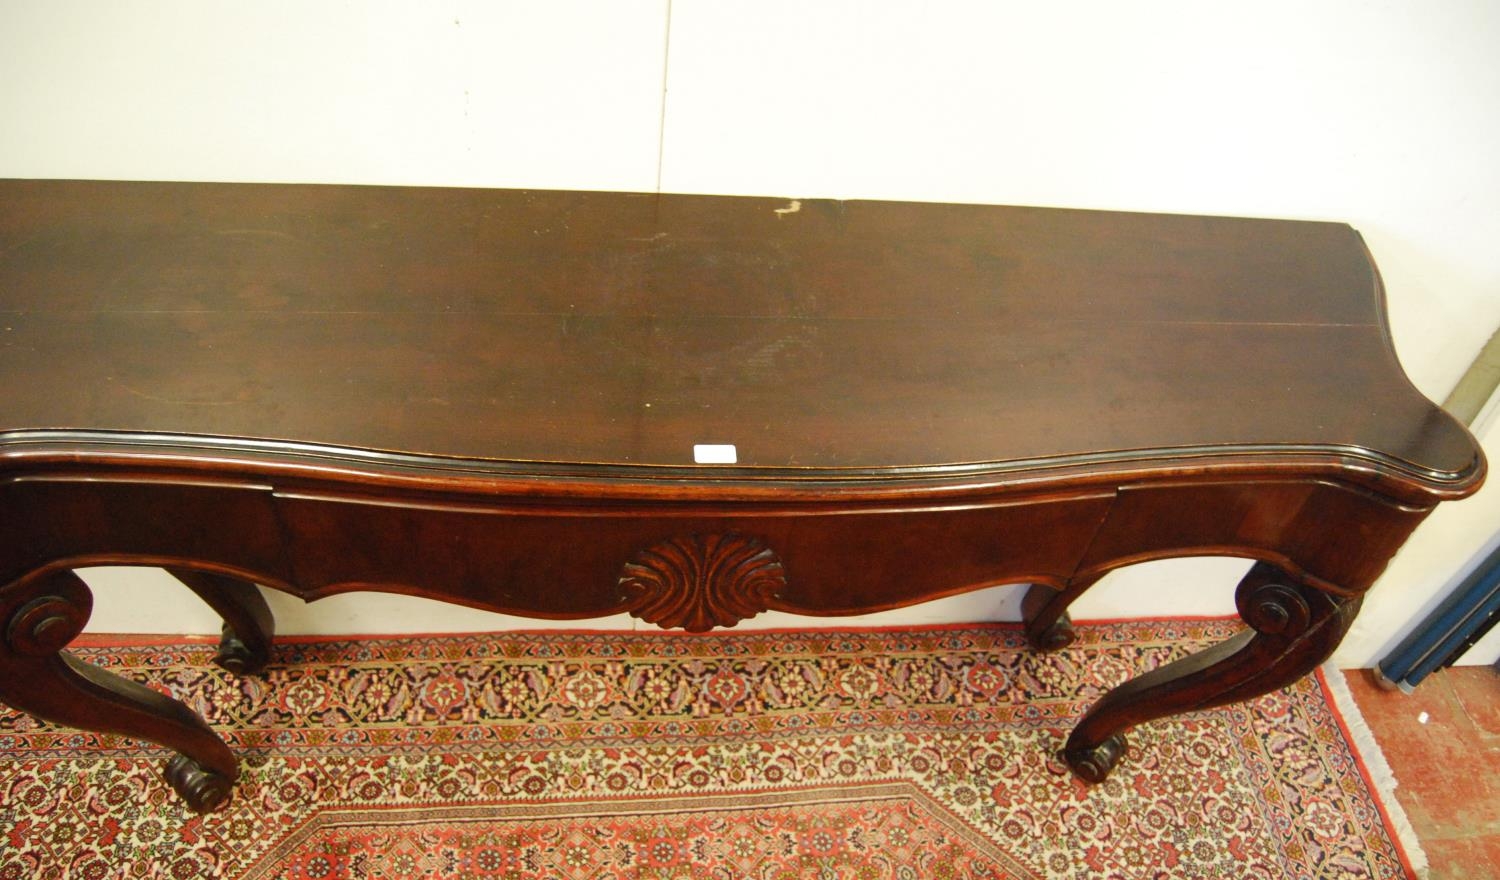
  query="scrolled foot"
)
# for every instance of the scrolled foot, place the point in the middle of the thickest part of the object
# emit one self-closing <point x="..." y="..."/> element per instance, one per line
<point x="203" y="790"/>
<point x="1055" y="637"/>
<point x="236" y="657"/>
<point x="245" y="646"/>
<point x="1044" y="611"/>
<point x="1093" y="765"/>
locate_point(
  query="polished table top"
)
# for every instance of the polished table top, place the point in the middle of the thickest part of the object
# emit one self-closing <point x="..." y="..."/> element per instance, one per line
<point x="820" y="338"/>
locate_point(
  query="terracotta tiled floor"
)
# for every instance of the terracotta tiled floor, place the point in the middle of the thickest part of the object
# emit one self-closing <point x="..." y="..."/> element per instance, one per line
<point x="1447" y="769"/>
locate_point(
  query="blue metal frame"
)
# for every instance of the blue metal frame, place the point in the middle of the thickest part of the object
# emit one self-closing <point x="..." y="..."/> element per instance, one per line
<point x="1470" y="611"/>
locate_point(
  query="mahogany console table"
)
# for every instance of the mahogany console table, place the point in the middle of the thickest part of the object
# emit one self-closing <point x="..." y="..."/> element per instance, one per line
<point x="525" y="401"/>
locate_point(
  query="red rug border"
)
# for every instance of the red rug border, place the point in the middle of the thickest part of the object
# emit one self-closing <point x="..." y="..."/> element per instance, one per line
<point x="1364" y="772"/>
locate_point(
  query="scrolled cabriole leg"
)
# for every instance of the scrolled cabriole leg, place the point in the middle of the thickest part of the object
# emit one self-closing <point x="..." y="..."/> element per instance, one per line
<point x="1293" y="628"/>
<point x="249" y="628"/>
<point x="42" y="614"/>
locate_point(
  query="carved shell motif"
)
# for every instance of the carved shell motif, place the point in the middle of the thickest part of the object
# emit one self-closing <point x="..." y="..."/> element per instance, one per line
<point x="698" y="582"/>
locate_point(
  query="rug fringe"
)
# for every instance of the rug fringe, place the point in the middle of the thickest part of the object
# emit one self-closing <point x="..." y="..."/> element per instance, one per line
<point x="1367" y="750"/>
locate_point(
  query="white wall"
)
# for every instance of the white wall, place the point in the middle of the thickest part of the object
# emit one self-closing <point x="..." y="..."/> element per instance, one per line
<point x="1382" y="114"/>
<point x="1446" y="548"/>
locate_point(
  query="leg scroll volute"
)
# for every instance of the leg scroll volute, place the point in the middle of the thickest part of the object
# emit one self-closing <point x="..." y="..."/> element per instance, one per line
<point x="1293" y="628"/>
<point x="42" y="614"/>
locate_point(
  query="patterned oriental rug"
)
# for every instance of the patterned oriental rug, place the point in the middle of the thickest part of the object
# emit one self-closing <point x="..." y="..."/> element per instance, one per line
<point x="858" y="754"/>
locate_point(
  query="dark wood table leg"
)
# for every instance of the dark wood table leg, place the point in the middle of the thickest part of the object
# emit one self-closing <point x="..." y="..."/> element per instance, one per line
<point x="1293" y="628"/>
<point x="245" y="643"/>
<point x="1044" y="610"/>
<point x="42" y="614"/>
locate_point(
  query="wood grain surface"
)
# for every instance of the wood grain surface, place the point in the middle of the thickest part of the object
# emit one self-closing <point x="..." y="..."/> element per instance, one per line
<point x="624" y="329"/>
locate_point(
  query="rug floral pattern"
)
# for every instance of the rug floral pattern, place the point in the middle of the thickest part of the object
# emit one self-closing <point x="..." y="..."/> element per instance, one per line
<point x="864" y="754"/>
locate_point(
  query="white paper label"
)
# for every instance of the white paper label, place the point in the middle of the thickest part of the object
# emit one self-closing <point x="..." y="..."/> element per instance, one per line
<point x="714" y="453"/>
